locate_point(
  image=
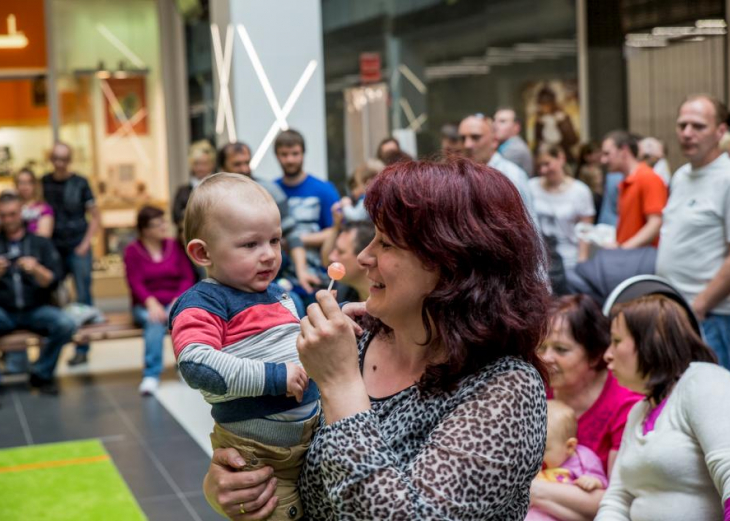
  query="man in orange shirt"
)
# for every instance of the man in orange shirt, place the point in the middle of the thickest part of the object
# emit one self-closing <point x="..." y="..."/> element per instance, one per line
<point x="642" y="193"/>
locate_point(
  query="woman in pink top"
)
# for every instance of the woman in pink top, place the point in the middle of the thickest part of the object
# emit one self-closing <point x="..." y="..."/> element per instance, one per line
<point x="157" y="273"/>
<point x="37" y="214"/>
<point x="577" y="340"/>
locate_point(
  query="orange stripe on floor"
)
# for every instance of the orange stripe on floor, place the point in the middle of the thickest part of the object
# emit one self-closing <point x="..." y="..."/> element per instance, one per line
<point x="52" y="464"/>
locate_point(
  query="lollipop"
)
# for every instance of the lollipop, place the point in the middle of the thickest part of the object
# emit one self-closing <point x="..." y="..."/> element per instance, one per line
<point x="335" y="271"/>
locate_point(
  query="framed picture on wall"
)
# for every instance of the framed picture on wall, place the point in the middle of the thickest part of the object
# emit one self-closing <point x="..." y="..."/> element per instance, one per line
<point x="552" y="115"/>
<point x="125" y="105"/>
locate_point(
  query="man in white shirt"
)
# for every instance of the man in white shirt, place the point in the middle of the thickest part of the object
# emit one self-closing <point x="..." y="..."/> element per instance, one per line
<point x="695" y="234"/>
<point x="479" y="143"/>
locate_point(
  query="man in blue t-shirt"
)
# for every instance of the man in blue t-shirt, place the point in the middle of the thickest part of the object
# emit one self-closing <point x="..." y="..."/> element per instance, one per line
<point x="310" y="204"/>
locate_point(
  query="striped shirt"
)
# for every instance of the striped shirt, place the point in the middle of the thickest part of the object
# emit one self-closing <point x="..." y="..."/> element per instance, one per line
<point x="233" y="346"/>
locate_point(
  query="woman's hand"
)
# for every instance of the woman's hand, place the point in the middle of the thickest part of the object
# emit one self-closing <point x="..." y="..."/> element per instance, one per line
<point x="229" y="490"/>
<point x="156" y="310"/>
<point x="328" y="351"/>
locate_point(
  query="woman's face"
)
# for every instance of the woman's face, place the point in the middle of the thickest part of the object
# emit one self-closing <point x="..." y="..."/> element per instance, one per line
<point x="203" y="166"/>
<point x="550" y="167"/>
<point x="26" y="187"/>
<point x="566" y="359"/>
<point x="398" y="281"/>
<point x="621" y="357"/>
<point x="156" y="230"/>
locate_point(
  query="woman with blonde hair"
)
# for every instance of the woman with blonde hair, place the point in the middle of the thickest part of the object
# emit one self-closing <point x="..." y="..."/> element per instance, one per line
<point x="201" y="159"/>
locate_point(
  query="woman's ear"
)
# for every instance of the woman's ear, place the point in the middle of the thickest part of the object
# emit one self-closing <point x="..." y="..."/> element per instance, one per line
<point x="198" y="251"/>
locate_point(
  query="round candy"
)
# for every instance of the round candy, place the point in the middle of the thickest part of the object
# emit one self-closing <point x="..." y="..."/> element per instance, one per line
<point x="336" y="271"/>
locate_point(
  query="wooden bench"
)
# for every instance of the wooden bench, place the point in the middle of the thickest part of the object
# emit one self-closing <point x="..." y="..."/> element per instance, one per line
<point x="117" y="325"/>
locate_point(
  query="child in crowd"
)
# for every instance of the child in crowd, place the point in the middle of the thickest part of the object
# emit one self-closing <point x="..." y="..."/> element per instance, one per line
<point x="565" y="461"/>
<point x="234" y="333"/>
<point x="355" y="211"/>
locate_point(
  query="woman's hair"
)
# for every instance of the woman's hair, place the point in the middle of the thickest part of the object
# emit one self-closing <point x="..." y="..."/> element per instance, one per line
<point x="201" y="149"/>
<point x="586" y="324"/>
<point x="146" y="215"/>
<point x="666" y="343"/>
<point x="468" y="222"/>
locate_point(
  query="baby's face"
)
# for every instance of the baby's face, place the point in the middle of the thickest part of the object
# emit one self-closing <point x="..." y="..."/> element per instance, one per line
<point x="557" y="451"/>
<point x="244" y="244"/>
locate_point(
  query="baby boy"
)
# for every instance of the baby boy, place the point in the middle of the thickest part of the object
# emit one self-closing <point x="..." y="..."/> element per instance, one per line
<point x="234" y="333"/>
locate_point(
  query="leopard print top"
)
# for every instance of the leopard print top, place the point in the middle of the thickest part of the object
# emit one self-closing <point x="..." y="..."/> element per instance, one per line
<point x="467" y="454"/>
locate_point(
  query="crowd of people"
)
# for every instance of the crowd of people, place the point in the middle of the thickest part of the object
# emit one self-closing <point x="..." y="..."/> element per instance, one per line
<point x="464" y="355"/>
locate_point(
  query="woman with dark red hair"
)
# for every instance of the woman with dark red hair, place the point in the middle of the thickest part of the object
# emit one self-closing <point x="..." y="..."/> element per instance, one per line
<point x="439" y="412"/>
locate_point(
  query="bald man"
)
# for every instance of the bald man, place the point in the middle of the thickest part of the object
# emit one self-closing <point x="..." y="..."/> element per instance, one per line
<point x="695" y="234"/>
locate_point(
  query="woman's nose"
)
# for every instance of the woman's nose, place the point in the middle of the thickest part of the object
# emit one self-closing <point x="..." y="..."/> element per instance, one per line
<point x="608" y="356"/>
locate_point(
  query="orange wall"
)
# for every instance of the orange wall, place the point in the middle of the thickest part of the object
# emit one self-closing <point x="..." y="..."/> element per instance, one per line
<point x="29" y="20"/>
<point x="17" y="104"/>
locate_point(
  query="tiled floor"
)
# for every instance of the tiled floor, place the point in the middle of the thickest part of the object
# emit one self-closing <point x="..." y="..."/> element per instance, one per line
<point x="162" y="464"/>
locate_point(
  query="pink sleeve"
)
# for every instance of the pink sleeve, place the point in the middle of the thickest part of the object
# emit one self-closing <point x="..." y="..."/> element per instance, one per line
<point x="727" y="510"/>
<point x="133" y="264"/>
<point x="591" y="465"/>
<point x="46" y="210"/>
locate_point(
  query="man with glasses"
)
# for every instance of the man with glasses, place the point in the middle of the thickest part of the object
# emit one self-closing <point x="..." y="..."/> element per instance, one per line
<point x="71" y="198"/>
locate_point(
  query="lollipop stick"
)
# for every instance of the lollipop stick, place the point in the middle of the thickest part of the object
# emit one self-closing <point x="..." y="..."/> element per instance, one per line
<point x="332" y="283"/>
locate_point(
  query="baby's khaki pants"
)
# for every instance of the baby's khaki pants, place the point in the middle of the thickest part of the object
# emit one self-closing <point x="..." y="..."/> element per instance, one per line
<point x="286" y="462"/>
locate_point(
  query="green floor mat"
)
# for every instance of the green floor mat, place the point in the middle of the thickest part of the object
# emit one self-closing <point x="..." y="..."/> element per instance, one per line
<point x="63" y="481"/>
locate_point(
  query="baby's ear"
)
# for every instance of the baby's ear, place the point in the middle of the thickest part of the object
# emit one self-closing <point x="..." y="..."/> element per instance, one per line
<point x="570" y="445"/>
<point x="198" y="252"/>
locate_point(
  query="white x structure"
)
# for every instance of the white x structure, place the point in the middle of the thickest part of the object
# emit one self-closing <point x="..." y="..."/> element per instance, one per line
<point x="127" y="127"/>
<point x="280" y="113"/>
<point x="223" y="65"/>
<point x="414" y="123"/>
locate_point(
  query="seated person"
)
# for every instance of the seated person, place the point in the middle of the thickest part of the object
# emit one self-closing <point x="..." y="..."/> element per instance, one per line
<point x="565" y="461"/>
<point x="235" y="333"/>
<point x="157" y="273"/>
<point x="29" y="269"/>
<point x="37" y="214"/>
<point x="353" y="208"/>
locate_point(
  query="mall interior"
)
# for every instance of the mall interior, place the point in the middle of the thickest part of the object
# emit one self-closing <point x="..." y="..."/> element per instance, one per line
<point x="130" y="85"/>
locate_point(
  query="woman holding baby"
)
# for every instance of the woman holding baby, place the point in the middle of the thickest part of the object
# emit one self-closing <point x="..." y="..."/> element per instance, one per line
<point x="438" y="412"/>
<point x="573" y="352"/>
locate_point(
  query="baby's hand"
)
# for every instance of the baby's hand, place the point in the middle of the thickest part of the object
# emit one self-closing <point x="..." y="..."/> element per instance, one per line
<point x="588" y="483"/>
<point x="296" y="381"/>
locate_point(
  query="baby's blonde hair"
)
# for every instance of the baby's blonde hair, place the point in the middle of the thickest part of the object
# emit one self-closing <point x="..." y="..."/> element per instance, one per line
<point x="210" y="192"/>
<point x="561" y="420"/>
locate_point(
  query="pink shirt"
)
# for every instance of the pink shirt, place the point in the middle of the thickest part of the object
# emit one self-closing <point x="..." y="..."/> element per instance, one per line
<point x="600" y="428"/>
<point x="33" y="212"/>
<point x="165" y="279"/>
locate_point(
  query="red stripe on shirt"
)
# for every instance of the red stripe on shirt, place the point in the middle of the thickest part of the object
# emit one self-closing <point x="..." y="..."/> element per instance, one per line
<point x="197" y="326"/>
<point x="256" y="320"/>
